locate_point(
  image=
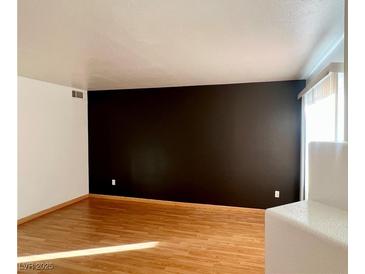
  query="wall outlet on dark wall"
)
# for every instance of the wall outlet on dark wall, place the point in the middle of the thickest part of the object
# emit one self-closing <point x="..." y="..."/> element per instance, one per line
<point x="179" y="143"/>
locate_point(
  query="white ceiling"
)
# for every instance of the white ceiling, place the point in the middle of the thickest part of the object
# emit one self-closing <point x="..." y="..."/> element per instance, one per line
<point x="111" y="44"/>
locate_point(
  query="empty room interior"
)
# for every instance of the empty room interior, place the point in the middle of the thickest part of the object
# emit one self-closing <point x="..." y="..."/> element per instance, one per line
<point x="182" y="136"/>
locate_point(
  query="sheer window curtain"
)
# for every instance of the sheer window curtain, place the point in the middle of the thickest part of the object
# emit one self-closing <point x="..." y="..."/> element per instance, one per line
<point x="322" y="118"/>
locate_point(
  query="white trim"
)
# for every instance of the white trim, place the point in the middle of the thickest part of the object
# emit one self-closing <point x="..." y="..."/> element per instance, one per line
<point x="334" y="84"/>
<point x="302" y="154"/>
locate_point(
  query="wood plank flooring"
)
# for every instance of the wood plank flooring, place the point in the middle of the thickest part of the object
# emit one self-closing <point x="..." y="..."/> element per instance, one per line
<point x="191" y="238"/>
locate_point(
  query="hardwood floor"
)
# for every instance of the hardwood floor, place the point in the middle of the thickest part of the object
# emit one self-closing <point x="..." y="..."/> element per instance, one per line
<point x="191" y="238"/>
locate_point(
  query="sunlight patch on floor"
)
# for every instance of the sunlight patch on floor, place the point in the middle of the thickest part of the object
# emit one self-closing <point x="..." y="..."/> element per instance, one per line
<point x="86" y="252"/>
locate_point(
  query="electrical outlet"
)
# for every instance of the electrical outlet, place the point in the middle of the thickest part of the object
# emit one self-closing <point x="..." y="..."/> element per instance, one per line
<point x="113" y="182"/>
<point x="277" y="194"/>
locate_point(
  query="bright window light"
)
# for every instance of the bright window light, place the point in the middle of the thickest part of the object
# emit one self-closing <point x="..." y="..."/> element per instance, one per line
<point x="324" y="115"/>
<point x="321" y="120"/>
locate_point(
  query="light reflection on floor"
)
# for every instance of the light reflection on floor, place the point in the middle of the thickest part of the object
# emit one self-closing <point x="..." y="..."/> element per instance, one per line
<point x="86" y="252"/>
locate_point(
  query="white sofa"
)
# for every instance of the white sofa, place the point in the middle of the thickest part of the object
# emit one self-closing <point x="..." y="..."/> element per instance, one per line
<point x="311" y="236"/>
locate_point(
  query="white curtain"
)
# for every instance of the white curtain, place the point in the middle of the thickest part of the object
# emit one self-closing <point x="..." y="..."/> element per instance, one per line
<point x="322" y="117"/>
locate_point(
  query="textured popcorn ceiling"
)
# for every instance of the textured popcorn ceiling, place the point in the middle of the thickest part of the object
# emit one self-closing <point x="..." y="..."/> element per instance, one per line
<point x="110" y="44"/>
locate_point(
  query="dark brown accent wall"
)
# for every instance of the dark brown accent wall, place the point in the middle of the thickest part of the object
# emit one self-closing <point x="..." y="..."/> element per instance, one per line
<point x="223" y="144"/>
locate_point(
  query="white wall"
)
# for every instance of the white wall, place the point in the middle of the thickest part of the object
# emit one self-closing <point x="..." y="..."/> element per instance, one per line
<point x="335" y="55"/>
<point x="52" y="146"/>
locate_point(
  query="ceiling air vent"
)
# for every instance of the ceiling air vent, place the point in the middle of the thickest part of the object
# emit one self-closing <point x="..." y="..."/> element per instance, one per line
<point x="77" y="94"/>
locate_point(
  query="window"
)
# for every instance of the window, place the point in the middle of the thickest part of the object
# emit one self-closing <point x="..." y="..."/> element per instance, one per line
<point x="323" y="116"/>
